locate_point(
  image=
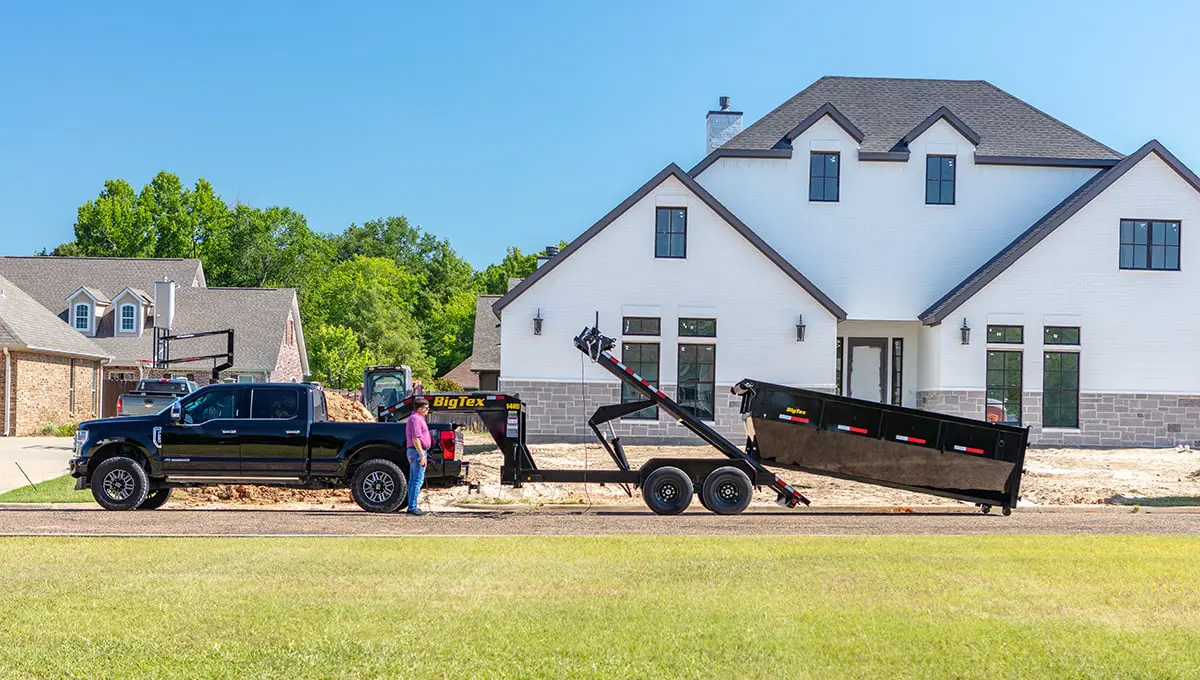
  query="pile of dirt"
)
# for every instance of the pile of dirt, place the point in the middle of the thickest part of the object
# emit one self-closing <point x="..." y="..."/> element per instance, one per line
<point x="246" y="494"/>
<point x="345" y="410"/>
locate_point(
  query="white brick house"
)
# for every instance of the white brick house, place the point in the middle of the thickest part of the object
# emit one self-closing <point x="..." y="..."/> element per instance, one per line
<point x="944" y="245"/>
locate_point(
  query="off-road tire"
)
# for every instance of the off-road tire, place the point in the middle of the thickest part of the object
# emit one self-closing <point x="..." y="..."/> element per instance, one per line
<point x="667" y="491"/>
<point x="156" y="499"/>
<point x="727" y="490"/>
<point x="379" y="485"/>
<point x="120" y="484"/>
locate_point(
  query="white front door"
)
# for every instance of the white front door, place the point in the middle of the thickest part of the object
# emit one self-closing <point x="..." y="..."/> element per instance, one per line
<point x="867" y="373"/>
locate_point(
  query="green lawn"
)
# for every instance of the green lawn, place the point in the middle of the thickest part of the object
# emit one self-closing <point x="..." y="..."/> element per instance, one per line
<point x="649" y="607"/>
<point x="57" y="490"/>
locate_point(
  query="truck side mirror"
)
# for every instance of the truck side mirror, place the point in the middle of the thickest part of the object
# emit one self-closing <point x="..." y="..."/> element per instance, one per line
<point x="176" y="413"/>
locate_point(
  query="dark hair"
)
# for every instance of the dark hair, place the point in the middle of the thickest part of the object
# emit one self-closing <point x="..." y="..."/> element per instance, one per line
<point x="419" y="402"/>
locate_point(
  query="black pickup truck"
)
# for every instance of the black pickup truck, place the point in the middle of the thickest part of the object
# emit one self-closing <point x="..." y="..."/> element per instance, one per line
<point x="274" y="434"/>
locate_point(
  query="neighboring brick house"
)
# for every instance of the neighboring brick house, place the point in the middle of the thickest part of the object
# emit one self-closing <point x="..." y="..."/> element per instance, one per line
<point x="106" y="299"/>
<point x="49" y="373"/>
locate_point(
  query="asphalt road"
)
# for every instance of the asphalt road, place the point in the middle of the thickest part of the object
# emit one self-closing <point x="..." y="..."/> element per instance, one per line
<point x="596" y="522"/>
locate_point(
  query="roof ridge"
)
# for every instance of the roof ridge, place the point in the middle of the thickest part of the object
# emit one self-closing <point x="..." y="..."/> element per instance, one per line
<point x="98" y="257"/>
<point x="930" y="80"/>
<point x="1036" y="110"/>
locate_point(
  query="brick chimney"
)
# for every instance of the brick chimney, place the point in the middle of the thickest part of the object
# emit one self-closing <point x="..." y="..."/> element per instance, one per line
<point x="722" y="125"/>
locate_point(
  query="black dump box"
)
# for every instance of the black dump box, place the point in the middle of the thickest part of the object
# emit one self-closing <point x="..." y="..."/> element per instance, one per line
<point x="903" y="448"/>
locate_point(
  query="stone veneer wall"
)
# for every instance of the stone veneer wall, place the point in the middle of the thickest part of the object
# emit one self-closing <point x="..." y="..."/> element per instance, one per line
<point x="558" y="412"/>
<point x="1105" y="419"/>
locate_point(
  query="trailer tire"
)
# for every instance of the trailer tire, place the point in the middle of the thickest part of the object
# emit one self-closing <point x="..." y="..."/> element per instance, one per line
<point x="727" y="491"/>
<point x="156" y="499"/>
<point x="120" y="483"/>
<point x="668" y="491"/>
<point x="379" y="485"/>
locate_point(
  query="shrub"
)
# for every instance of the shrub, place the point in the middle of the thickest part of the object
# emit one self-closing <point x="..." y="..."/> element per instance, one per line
<point x="60" y="430"/>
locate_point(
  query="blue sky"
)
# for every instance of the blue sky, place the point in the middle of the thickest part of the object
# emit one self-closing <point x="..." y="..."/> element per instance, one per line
<point x="502" y="124"/>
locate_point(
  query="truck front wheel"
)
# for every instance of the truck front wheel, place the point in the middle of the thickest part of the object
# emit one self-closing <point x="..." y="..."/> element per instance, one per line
<point x="378" y="485"/>
<point x="667" y="491"/>
<point x="156" y="499"/>
<point x="120" y="484"/>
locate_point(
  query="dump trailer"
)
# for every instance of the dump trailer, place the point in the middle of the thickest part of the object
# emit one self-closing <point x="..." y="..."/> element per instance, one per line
<point x="823" y="434"/>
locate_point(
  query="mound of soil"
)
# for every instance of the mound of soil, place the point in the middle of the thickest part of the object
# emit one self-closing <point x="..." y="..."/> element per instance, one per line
<point x="346" y="410"/>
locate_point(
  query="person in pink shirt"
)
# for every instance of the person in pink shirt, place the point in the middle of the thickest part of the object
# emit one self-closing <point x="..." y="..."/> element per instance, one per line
<point x="416" y="432"/>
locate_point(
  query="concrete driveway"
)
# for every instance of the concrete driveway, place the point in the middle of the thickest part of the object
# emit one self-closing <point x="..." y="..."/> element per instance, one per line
<point x="42" y="458"/>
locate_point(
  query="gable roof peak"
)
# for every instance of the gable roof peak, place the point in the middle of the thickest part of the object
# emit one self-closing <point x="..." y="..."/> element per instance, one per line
<point x="943" y="113"/>
<point x="826" y="109"/>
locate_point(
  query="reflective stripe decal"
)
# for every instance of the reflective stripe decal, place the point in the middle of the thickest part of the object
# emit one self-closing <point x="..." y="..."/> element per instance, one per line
<point x="968" y="449"/>
<point x="910" y="440"/>
<point x="855" y="430"/>
<point x="794" y="419"/>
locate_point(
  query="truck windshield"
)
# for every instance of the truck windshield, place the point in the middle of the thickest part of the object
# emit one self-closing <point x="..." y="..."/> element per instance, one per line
<point x="177" y="388"/>
<point x="384" y="389"/>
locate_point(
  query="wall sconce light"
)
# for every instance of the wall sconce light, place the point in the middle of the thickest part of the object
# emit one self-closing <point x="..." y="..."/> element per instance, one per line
<point x="800" y="329"/>
<point x="537" y="322"/>
<point x="966" y="332"/>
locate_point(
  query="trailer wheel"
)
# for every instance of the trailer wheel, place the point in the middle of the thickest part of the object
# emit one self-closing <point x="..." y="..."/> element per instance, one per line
<point x="726" y="491"/>
<point x="378" y="485"/>
<point x="667" y="491"/>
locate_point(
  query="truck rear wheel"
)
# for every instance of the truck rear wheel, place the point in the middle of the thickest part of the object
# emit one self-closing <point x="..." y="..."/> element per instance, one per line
<point x="156" y="499"/>
<point x="378" y="485"/>
<point x="726" y="491"/>
<point x="667" y="491"/>
<point x="120" y="483"/>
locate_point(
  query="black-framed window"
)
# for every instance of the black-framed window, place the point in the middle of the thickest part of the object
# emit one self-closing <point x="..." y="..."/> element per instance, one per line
<point x="275" y="403"/>
<point x="696" y="389"/>
<point x="697" y="328"/>
<point x="939" y="180"/>
<point x="823" y="175"/>
<point x="1060" y="389"/>
<point x="641" y="358"/>
<point x="641" y="325"/>
<point x="1150" y="244"/>
<point x="1060" y="335"/>
<point x="1006" y="335"/>
<point x="837" y="370"/>
<point x="670" y="232"/>
<point x="1003" y="397"/>
<point x="897" y="371"/>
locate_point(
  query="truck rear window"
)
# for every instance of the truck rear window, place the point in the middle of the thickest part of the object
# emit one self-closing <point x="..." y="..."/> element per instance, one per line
<point x="278" y="403"/>
<point x="163" y="387"/>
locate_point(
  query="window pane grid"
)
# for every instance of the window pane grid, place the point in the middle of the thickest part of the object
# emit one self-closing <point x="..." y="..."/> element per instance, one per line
<point x="838" y="367"/>
<point x="897" y="370"/>
<point x="1060" y="390"/>
<point x="670" y="232"/>
<point x="939" y="180"/>
<point x="641" y="325"/>
<point x="1149" y="244"/>
<point x="698" y="328"/>
<point x="641" y="358"/>
<point x="823" y="177"/>
<point x="1003" y="399"/>
<point x="1061" y="335"/>
<point x="696" y="388"/>
<point x="1013" y="335"/>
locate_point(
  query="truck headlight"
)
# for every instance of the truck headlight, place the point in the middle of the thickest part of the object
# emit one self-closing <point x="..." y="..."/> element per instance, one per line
<point x="81" y="437"/>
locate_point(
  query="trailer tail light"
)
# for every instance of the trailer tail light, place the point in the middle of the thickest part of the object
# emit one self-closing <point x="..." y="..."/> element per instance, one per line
<point x="449" y="444"/>
<point x="910" y="440"/>
<point x="120" y="405"/>
<point x="850" y="428"/>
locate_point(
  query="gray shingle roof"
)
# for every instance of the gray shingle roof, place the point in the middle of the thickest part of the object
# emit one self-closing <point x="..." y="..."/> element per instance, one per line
<point x="486" y="347"/>
<point x="28" y="325"/>
<point x="1047" y="224"/>
<point x="258" y="317"/>
<point x="49" y="280"/>
<point x="886" y="109"/>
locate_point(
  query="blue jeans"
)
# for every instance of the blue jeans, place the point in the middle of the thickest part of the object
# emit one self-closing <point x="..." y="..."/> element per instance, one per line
<point x="416" y="477"/>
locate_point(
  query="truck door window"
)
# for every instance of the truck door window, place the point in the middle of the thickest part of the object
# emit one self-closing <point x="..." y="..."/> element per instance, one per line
<point x="211" y="405"/>
<point x="319" y="413"/>
<point x="274" y="403"/>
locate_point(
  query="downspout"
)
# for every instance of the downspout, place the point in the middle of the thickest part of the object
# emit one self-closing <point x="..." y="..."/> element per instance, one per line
<point x="7" y="390"/>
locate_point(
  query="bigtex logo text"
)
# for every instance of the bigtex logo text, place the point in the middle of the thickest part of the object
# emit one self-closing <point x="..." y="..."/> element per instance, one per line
<point x="457" y="402"/>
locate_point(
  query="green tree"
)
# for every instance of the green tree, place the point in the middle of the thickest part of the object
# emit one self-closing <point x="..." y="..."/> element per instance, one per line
<point x="164" y="200"/>
<point x="516" y="265"/>
<point x="114" y="225"/>
<point x="334" y="356"/>
<point x="450" y="331"/>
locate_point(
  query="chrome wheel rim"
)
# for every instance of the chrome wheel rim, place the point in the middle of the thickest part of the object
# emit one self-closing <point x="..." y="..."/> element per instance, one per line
<point x="378" y="487"/>
<point x="118" y="485"/>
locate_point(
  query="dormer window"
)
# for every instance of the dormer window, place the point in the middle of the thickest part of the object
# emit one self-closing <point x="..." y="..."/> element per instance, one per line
<point x="82" y="318"/>
<point x="128" y="318"/>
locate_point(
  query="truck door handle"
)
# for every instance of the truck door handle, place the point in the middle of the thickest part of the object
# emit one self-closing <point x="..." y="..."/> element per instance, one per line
<point x="228" y="431"/>
<point x="293" y="431"/>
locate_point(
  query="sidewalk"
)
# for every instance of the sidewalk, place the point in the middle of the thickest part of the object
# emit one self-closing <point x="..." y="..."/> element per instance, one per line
<point x="42" y="458"/>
